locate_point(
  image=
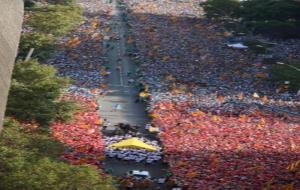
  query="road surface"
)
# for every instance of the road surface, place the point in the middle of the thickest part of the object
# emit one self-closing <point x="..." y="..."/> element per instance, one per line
<point x="119" y="105"/>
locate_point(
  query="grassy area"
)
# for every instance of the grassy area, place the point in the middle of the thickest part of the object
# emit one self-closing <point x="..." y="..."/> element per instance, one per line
<point x="257" y="46"/>
<point x="29" y="160"/>
<point x="285" y="72"/>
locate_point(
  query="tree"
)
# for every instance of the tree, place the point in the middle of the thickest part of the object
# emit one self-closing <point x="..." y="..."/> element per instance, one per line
<point x="34" y="93"/>
<point x="48" y="174"/>
<point x="57" y="20"/>
<point x="274" y="18"/>
<point x="221" y="8"/>
<point x="29" y="160"/>
<point x="270" y="10"/>
<point x="43" y="44"/>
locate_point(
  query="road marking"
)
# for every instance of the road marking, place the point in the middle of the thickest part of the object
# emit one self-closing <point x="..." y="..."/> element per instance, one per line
<point x="125" y="86"/>
<point x="121" y="77"/>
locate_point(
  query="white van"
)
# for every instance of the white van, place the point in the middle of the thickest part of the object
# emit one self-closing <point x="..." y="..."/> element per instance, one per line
<point x="139" y="174"/>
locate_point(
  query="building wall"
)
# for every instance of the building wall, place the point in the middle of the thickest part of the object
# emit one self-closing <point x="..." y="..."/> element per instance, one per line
<point x="11" y="17"/>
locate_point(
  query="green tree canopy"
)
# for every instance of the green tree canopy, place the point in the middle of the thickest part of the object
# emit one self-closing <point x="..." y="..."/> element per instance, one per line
<point x="29" y="160"/>
<point x="43" y="44"/>
<point x="274" y="18"/>
<point x="34" y="93"/>
<point x="221" y="8"/>
<point x="267" y="10"/>
<point x="57" y="20"/>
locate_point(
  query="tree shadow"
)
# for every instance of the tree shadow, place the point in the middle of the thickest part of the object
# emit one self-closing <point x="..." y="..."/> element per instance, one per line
<point x="244" y="169"/>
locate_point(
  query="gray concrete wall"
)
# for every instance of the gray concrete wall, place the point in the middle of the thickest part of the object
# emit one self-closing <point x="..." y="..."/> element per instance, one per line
<point x="11" y="17"/>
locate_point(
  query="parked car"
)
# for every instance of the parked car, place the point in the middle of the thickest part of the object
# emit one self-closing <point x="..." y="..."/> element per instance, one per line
<point x="139" y="174"/>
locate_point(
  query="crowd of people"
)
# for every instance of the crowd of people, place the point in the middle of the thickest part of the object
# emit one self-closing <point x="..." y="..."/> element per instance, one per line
<point x="223" y="123"/>
<point x="205" y="98"/>
<point x="179" y="50"/>
<point x="207" y="151"/>
<point x="133" y="154"/>
<point x="82" y="58"/>
<point x="82" y="135"/>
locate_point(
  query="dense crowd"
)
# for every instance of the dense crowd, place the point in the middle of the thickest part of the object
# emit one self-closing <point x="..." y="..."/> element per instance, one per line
<point x="82" y="135"/>
<point x="207" y="151"/>
<point x="83" y="57"/>
<point x="180" y="50"/>
<point x="207" y="99"/>
<point x="223" y="123"/>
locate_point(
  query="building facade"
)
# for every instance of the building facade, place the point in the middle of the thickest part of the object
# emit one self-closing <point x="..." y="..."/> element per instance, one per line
<point x="11" y="17"/>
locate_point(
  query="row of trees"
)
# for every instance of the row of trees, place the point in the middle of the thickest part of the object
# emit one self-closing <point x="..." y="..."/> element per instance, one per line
<point x="34" y="94"/>
<point x="48" y="23"/>
<point x="35" y="88"/>
<point x="29" y="160"/>
<point x="275" y="18"/>
<point x="29" y="156"/>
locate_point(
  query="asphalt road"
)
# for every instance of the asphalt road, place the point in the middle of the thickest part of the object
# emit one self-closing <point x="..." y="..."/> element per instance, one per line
<point x="122" y="95"/>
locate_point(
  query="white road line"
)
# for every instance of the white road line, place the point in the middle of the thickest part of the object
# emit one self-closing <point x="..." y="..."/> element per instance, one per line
<point x="120" y="86"/>
<point x="121" y="77"/>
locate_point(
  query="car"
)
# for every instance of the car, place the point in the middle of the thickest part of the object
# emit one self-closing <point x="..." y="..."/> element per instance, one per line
<point x="139" y="174"/>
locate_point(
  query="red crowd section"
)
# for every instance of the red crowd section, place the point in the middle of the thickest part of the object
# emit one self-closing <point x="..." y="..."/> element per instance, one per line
<point x="207" y="151"/>
<point x="82" y="135"/>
